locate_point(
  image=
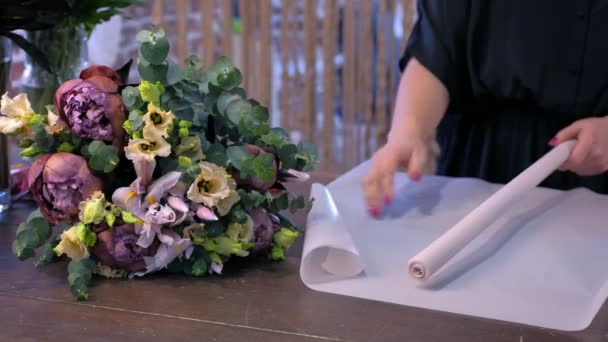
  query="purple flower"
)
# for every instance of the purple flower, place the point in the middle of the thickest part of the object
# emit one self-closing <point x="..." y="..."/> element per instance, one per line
<point x="91" y="105"/>
<point x="59" y="182"/>
<point x="117" y="247"/>
<point x="263" y="230"/>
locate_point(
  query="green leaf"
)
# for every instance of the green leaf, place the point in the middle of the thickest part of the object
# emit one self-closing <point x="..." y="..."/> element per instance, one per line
<point x="253" y="199"/>
<point x="22" y="251"/>
<point x="237" y="110"/>
<point x="225" y="99"/>
<point x="297" y="204"/>
<point x="131" y="98"/>
<point x="41" y="227"/>
<point x="34" y="214"/>
<point x="103" y="157"/>
<point x="155" y="51"/>
<point x="215" y="229"/>
<point x="199" y="268"/>
<point x="277" y="137"/>
<point x="79" y="277"/>
<point x="174" y="74"/>
<point x="238" y="156"/>
<point x="310" y="155"/>
<point x="137" y="120"/>
<point x="260" y="113"/>
<point x="86" y="235"/>
<point x="190" y="147"/>
<point x="29" y="238"/>
<point x="200" y="115"/>
<point x="224" y="74"/>
<point x="216" y="154"/>
<point x="281" y="203"/>
<point x="152" y="72"/>
<point x="287" y="154"/>
<point x="238" y="215"/>
<point x="193" y="69"/>
<point x="48" y="255"/>
<point x="43" y="140"/>
<point x="262" y="166"/>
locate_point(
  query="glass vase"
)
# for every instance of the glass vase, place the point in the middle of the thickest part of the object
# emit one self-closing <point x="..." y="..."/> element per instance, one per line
<point x="66" y="49"/>
<point x="5" y="68"/>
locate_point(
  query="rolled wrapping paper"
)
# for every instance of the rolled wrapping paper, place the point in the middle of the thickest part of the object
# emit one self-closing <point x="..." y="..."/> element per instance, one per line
<point x="437" y="254"/>
<point x="329" y="251"/>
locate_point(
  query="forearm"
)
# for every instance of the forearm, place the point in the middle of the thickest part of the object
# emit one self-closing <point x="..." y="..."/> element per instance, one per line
<point x="420" y="105"/>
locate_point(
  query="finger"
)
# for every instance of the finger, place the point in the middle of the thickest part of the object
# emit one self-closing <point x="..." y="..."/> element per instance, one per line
<point x="386" y="181"/>
<point x="579" y="156"/>
<point x="568" y="133"/>
<point x="372" y="191"/>
<point x="417" y="163"/>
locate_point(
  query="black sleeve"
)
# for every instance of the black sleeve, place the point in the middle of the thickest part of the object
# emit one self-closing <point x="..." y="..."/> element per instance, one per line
<point x="438" y="41"/>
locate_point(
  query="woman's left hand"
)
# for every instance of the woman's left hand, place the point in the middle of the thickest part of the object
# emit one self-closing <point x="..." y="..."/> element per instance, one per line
<point x="590" y="154"/>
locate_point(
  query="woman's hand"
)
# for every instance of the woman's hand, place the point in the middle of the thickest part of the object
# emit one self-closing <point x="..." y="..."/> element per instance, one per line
<point x="414" y="154"/>
<point x="590" y="154"/>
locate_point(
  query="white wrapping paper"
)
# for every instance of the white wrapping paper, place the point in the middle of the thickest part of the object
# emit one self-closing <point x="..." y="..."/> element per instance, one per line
<point x="541" y="262"/>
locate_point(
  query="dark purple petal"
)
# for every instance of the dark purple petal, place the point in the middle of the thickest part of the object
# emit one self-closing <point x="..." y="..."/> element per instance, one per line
<point x="117" y="247"/>
<point x="263" y="230"/>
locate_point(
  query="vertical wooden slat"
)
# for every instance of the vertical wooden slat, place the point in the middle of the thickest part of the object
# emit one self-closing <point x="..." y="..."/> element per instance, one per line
<point x="381" y="76"/>
<point x="392" y="47"/>
<point x="285" y="82"/>
<point x="409" y="8"/>
<point x="245" y="46"/>
<point x="366" y="61"/>
<point x="265" y="52"/>
<point x="208" y="38"/>
<point x="158" y="12"/>
<point x="348" y="85"/>
<point x="295" y="83"/>
<point x="227" y="28"/>
<point x="251" y="34"/>
<point x="181" y="20"/>
<point x="330" y="30"/>
<point x="310" y="37"/>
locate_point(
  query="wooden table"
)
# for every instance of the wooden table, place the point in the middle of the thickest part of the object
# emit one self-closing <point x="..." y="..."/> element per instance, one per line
<point x="252" y="302"/>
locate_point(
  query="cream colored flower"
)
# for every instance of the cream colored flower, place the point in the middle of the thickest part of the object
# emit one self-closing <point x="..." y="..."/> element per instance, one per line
<point x="224" y="205"/>
<point x="16" y="113"/>
<point x="212" y="186"/>
<point x="71" y="245"/>
<point x="148" y="148"/>
<point x="157" y="121"/>
<point x="53" y="126"/>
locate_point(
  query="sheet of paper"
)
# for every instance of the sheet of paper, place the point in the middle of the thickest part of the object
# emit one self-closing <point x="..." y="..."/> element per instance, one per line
<point x="541" y="263"/>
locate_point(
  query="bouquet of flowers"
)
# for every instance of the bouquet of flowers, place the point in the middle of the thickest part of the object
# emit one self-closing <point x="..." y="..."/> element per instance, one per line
<point x="180" y="172"/>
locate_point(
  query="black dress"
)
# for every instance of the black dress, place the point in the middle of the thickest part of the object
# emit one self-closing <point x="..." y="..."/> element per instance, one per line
<point x="517" y="72"/>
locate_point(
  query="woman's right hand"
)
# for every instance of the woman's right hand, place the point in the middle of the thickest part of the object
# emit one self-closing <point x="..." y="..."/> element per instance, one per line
<point x="414" y="154"/>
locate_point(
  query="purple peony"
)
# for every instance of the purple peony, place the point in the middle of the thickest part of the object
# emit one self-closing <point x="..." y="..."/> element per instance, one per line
<point x="263" y="230"/>
<point x="117" y="247"/>
<point x="91" y="105"/>
<point x="59" y="182"/>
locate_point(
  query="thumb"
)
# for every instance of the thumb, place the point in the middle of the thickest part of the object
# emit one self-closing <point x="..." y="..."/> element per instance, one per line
<point x="568" y="133"/>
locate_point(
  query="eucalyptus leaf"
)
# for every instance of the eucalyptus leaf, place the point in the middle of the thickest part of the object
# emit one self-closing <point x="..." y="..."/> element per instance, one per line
<point x="174" y="74"/>
<point x="215" y="229"/>
<point x="193" y="69"/>
<point x="103" y="158"/>
<point x="238" y="156"/>
<point x="225" y="99"/>
<point x="132" y="98"/>
<point x="224" y="74"/>
<point x="155" y="51"/>
<point x="216" y="154"/>
<point x="152" y="72"/>
<point x="287" y="155"/>
<point x="237" y="110"/>
<point x="199" y="268"/>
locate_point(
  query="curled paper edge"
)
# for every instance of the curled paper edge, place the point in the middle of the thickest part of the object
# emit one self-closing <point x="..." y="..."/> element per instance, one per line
<point x="329" y="251"/>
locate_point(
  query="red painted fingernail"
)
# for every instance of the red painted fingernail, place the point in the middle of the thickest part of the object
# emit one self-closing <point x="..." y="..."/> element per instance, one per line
<point x="553" y="142"/>
<point x="416" y="176"/>
<point x="375" y="212"/>
<point x="387" y="199"/>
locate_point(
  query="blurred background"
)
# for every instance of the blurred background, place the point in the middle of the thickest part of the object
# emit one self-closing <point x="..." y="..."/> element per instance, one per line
<point x="327" y="69"/>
